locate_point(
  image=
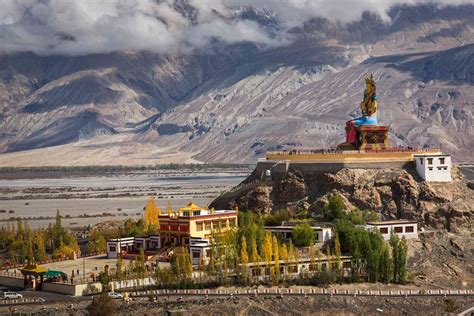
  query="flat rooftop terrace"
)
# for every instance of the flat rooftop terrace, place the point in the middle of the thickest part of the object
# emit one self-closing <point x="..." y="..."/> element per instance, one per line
<point x="395" y="154"/>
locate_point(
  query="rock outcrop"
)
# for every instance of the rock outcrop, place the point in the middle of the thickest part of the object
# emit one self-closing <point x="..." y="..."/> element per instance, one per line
<point x="394" y="193"/>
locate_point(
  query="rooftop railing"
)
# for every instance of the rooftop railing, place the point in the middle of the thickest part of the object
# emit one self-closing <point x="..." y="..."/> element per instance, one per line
<point x="331" y="151"/>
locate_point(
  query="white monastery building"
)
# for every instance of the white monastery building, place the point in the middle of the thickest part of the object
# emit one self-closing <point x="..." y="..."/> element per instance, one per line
<point x="401" y="227"/>
<point x="434" y="168"/>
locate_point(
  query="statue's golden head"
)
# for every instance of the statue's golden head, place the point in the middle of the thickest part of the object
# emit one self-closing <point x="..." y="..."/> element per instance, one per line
<point x="370" y="83"/>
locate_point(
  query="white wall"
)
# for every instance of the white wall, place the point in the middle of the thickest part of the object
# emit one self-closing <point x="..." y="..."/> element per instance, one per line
<point x="436" y="171"/>
<point x="391" y="227"/>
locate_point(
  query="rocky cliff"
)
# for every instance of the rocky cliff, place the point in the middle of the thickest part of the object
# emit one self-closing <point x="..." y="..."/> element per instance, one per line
<point x="394" y="193"/>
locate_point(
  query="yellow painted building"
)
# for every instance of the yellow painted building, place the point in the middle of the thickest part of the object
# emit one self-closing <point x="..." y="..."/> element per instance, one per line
<point x="192" y="221"/>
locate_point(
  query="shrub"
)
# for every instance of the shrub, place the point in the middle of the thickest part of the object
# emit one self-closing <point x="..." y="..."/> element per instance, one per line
<point x="303" y="235"/>
<point x="449" y="305"/>
<point x="102" y="305"/>
<point x="90" y="289"/>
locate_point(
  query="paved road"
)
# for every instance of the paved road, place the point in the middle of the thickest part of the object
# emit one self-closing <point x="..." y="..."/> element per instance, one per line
<point x="176" y="295"/>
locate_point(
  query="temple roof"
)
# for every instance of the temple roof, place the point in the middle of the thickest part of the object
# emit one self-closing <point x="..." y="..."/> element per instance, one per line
<point x="191" y="207"/>
<point x="33" y="268"/>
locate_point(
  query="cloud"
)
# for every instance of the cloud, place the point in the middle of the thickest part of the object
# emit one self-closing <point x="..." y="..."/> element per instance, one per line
<point x="77" y="27"/>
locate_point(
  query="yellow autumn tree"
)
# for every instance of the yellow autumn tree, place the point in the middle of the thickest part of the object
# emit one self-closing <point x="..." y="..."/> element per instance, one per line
<point x="151" y="213"/>
<point x="254" y="251"/>
<point x="267" y="248"/>
<point x="276" y="256"/>
<point x="244" y="258"/>
<point x="284" y="255"/>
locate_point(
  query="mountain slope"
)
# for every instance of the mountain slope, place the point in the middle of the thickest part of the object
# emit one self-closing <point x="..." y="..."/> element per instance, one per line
<point x="235" y="102"/>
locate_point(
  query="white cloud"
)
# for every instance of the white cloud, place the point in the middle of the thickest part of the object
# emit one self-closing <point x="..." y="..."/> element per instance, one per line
<point x="92" y="26"/>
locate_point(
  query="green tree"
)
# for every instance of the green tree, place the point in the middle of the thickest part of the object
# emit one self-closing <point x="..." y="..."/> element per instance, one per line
<point x="395" y="244"/>
<point x="303" y="235"/>
<point x="385" y="265"/>
<point x="334" y="209"/>
<point x="39" y="246"/>
<point x="403" y="250"/>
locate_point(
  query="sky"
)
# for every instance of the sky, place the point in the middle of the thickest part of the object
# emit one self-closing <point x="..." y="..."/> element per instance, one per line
<point x="79" y="27"/>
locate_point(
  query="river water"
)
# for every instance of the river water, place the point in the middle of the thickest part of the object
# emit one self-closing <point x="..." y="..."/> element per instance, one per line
<point x="122" y="196"/>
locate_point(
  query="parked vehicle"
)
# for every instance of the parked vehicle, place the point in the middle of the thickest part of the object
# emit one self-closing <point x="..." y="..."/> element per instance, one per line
<point x="12" y="295"/>
<point x="115" y="295"/>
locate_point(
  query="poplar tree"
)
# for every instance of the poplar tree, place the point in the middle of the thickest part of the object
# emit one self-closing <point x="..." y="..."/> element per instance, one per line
<point x="284" y="255"/>
<point x="276" y="256"/>
<point x="394" y="244"/>
<point x="385" y="265"/>
<point x="40" y="247"/>
<point x="244" y="259"/>
<point x="188" y="264"/>
<point x="403" y="249"/>
<point x="255" y="258"/>
<point x="312" y="259"/>
<point x="328" y="258"/>
<point x="337" y="255"/>
<point x="267" y="248"/>
<point x="320" y="259"/>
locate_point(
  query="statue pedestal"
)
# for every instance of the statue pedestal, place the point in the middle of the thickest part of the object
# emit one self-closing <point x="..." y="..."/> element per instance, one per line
<point x="373" y="136"/>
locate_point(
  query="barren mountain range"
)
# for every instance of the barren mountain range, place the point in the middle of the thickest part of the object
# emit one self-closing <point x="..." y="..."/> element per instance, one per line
<point x="233" y="102"/>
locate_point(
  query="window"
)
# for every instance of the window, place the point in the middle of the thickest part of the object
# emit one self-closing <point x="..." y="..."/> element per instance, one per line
<point x="292" y="269"/>
<point x="267" y="271"/>
<point x="346" y="264"/>
<point x="208" y="225"/>
<point x="186" y="213"/>
<point x="196" y="213"/>
<point x="196" y="254"/>
<point x="398" y="229"/>
<point x="256" y="272"/>
<point x="384" y="230"/>
<point x="430" y="168"/>
<point x="324" y="266"/>
<point x="215" y="224"/>
<point x="430" y="161"/>
<point x="112" y="248"/>
<point x="421" y="161"/>
<point x="441" y="161"/>
<point x="224" y="223"/>
<point x="409" y="229"/>
<point x="440" y="168"/>
<point x="313" y="267"/>
<point x="199" y="226"/>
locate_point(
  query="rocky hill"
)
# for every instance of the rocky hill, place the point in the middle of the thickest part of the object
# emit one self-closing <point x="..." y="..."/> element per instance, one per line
<point x="394" y="193"/>
<point x="442" y="256"/>
<point x="234" y="102"/>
